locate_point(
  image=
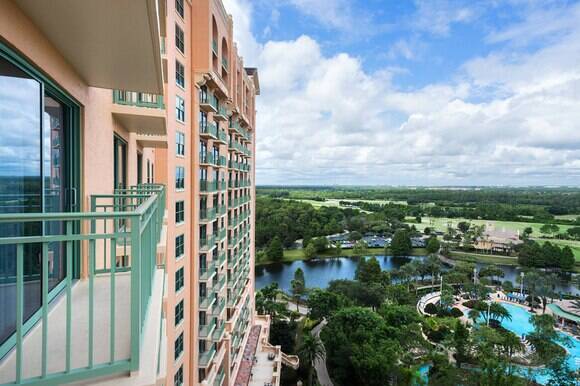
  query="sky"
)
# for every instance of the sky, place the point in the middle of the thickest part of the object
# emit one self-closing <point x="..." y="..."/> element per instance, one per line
<point x="424" y="92"/>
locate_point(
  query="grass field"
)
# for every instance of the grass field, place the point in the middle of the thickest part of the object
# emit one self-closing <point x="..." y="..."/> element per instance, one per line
<point x="335" y="202"/>
<point x="441" y="224"/>
<point x="489" y="259"/>
<point x="291" y="255"/>
<point x="568" y="217"/>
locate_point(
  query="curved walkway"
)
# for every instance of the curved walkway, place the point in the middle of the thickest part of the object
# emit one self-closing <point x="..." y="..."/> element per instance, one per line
<point x="320" y="364"/>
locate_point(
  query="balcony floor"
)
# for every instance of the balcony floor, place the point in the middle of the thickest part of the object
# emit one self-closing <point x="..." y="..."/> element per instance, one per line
<point x="56" y="350"/>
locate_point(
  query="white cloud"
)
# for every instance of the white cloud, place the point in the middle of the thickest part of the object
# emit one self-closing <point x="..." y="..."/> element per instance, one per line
<point x="437" y="16"/>
<point x="507" y="118"/>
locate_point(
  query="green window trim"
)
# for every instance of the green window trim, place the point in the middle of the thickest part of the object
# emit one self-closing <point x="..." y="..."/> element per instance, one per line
<point x="48" y="86"/>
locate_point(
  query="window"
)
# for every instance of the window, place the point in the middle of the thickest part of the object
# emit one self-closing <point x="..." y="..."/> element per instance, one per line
<point x="179" y="212"/>
<point x="179" y="39"/>
<point x="179" y="178"/>
<point x="179" y="246"/>
<point x="180" y="143"/>
<point x="178" y="377"/>
<point x="179" y="74"/>
<point x="179" y="7"/>
<point x="179" y="312"/>
<point x="179" y="279"/>
<point x="178" y="349"/>
<point x="179" y="109"/>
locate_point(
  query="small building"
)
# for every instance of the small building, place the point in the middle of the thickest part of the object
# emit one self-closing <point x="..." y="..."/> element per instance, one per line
<point x="567" y="315"/>
<point x="497" y="241"/>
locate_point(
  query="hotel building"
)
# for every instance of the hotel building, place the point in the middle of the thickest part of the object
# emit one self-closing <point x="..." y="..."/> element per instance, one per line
<point x="127" y="196"/>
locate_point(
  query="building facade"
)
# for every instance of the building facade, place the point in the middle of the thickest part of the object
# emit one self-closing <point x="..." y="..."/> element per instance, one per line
<point x="127" y="196"/>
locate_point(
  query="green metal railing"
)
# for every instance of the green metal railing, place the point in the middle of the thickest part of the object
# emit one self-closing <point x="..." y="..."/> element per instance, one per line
<point x="219" y="331"/>
<point x="207" y="214"/>
<point x="222" y="161"/>
<point x="207" y="186"/>
<point x="206" y="97"/>
<point x="205" y="358"/>
<point x="139" y="99"/>
<point x="207" y="243"/>
<point x="222" y="136"/>
<point x="208" y="128"/>
<point x="206" y="273"/>
<point x="206" y="157"/>
<point x="125" y="224"/>
<point x="220" y="378"/>
<point x="206" y="330"/>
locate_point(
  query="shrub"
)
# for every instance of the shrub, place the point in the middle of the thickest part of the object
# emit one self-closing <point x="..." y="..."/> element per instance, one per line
<point x="456" y="312"/>
<point x="431" y="309"/>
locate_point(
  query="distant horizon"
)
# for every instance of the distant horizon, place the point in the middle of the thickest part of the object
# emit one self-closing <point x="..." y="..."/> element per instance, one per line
<point x="419" y="186"/>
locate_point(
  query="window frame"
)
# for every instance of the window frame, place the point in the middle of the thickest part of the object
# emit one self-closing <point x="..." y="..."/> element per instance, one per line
<point x="179" y="8"/>
<point x="179" y="178"/>
<point x="179" y="212"/>
<point x="178" y="347"/>
<point x="179" y="246"/>
<point x="179" y="39"/>
<point x="179" y="311"/>
<point x="179" y="109"/>
<point x="179" y="75"/>
<point x="179" y="279"/>
<point x="180" y="143"/>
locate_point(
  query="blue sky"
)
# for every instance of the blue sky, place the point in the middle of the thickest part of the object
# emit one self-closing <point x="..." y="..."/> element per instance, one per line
<point x="425" y="92"/>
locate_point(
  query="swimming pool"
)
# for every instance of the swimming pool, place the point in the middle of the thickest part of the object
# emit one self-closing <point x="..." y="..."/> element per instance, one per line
<point x="520" y="324"/>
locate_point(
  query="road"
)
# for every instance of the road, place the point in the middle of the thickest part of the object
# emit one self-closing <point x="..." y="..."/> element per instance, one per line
<point x="320" y="364"/>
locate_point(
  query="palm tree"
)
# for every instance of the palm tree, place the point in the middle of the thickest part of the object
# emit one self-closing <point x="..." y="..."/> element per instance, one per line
<point x="310" y="351"/>
<point x="499" y="312"/>
<point x="473" y="315"/>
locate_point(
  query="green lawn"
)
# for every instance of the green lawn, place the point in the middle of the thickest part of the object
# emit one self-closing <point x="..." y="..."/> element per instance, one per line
<point x="291" y="255"/>
<point x="488" y="259"/>
<point x="441" y="224"/>
<point x="335" y="202"/>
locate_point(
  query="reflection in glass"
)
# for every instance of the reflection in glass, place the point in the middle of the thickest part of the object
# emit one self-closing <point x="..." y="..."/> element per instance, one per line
<point x="54" y="184"/>
<point x="20" y="188"/>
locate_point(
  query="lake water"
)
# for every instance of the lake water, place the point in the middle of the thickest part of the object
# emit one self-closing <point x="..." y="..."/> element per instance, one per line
<point x="319" y="272"/>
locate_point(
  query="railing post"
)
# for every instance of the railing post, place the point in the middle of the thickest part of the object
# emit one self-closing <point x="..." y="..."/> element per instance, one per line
<point x="135" y="291"/>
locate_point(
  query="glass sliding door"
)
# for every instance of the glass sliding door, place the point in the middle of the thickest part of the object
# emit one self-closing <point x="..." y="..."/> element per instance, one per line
<point x="36" y="176"/>
<point x="20" y="188"/>
<point x="120" y="163"/>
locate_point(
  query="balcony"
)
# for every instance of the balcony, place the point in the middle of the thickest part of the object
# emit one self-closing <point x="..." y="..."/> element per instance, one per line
<point x="219" y="306"/>
<point x="220" y="378"/>
<point x="206" y="330"/>
<point x="205" y="358"/>
<point x="222" y="234"/>
<point x="207" y="158"/>
<point x="222" y="114"/>
<point x="139" y="112"/>
<point x="208" y="130"/>
<point x="152" y="141"/>
<point x="206" y="244"/>
<point x="95" y="327"/>
<point x="222" y="137"/>
<point x="207" y="215"/>
<point x="206" y="301"/>
<point x="206" y="186"/>
<point x="97" y="41"/>
<point x="208" y="272"/>
<point x="207" y="101"/>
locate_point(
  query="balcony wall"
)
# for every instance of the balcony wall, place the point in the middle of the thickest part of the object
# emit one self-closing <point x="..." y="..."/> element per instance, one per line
<point x="95" y="328"/>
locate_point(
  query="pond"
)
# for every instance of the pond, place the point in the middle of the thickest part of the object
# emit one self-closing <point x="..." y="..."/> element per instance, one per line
<point x="319" y="272"/>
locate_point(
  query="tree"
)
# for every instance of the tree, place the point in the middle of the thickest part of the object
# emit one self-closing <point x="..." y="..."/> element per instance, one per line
<point x="309" y="252"/>
<point x="549" y="229"/>
<point x="574" y="233"/>
<point x="298" y="286"/>
<point x="275" y="250"/>
<point x="360" y="248"/>
<point x="473" y="314"/>
<point x="491" y="271"/>
<point x="567" y="259"/>
<point x="527" y="232"/>
<point x="460" y="342"/>
<point x="433" y="245"/>
<point x="354" y="236"/>
<point x="369" y="270"/>
<point x="320" y="244"/>
<point x="401" y="243"/>
<point x="433" y="266"/>
<point x="322" y="303"/>
<point x="311" y="349"/>
<point x="447" y="297"/>
<point x="463" y="226"/>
